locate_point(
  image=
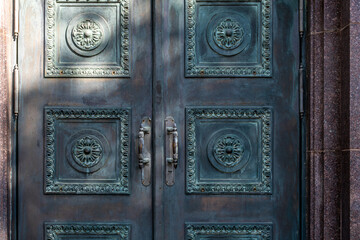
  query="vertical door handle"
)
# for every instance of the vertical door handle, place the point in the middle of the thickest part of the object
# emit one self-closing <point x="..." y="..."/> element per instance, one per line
<point x="144" y="148"/>
<point x="171" y="149"/>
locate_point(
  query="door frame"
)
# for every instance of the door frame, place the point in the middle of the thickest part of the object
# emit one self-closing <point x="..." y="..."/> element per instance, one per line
<point x="10" y="128"/>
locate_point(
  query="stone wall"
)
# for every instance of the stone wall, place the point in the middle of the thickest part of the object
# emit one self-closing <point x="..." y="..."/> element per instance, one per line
<point x="333" y="69"/>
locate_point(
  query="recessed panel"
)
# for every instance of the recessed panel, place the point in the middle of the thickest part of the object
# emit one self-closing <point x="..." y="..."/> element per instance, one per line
<point x="87" y="151"/>
<point x="87" y="39"/>
<point x="87" y="231"/>
<point x="228" y="150"/>
<point x="228" y="39"/>
<point x="238" y="231"/>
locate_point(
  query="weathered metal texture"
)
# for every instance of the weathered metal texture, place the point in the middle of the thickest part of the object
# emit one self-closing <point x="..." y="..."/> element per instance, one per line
<point x="87" y="144"/>
<point x="87" y="39"/>
<point x="228" y="39"/>
<point x="159" y="139"/>
<point x="72" y="231"/>
<point x="240" y="231"/>
<point x="276" y="204"/>
<point x="94" y="129"/>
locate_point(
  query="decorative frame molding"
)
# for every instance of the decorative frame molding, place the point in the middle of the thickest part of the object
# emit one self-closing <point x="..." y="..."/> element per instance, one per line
<point x="52" y="114"/>
<point x="261" y="230"/>
<point x="54" y="230"/>
<point x="193" y="70"/>
<point x="52" y="70"/>
<point x="195" y="113"/>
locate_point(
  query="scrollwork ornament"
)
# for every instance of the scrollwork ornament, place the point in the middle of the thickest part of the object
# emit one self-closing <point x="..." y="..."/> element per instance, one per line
<point x="87" y="35"/>
<point x="55" y="231"/>
<point x="261" y="231"/>
<point x="228" y="34"/>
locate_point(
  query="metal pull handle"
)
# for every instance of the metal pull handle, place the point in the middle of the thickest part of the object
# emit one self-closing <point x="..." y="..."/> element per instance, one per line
<point x="172" y="150"/>
<point x="175" y="147"/>
<point x="144" y="148"/>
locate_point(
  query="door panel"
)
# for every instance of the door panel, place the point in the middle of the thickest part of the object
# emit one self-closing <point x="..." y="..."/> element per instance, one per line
<point x="87" y="39"/>
<point x="219" y="161"/>
<point x="228" y="150"/>
<point x="85" y="70"/>
<point x="209" y="49"/>
<point x="230" y="82"/>
<point x="87" y="151"/>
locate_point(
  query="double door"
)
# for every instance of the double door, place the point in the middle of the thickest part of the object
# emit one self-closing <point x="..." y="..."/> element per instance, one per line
<point x="158" y="119"/>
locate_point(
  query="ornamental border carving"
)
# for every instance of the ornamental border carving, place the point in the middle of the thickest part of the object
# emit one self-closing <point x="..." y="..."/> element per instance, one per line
<point x="52" y="70"/>
<point x="193" y="70"/>
<point x="52" y="114"/>
<point x="264" y="114"/>
<point x="262" y="230"/>
<point x="53" y="230"/>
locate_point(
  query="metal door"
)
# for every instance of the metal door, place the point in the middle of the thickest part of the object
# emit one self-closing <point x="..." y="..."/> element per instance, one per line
<point x="220" y="158"/>
<point x="227" y="73"/>
<point x="85" y="73"/>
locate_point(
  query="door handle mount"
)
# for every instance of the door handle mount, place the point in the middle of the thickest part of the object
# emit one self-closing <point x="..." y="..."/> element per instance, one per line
<point x="144" y="150"/>
<point x="171" y="149"/>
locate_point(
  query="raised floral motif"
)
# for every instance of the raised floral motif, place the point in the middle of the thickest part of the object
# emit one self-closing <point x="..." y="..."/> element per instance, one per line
<point x="87" y="35"/>
<point x="228" y="34"/>
<point x="87" y="151"/>
<point x="228" y="150"/>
